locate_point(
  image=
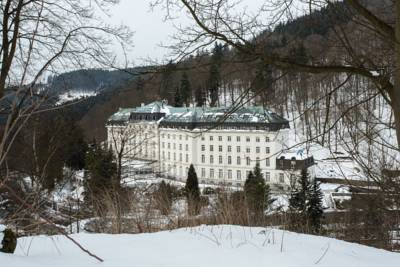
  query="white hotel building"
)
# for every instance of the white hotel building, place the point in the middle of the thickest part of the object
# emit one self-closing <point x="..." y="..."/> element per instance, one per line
<point x="222" y="144"/>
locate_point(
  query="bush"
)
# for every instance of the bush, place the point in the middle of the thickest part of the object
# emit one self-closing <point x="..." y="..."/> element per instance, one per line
<point x="9" y="242"/>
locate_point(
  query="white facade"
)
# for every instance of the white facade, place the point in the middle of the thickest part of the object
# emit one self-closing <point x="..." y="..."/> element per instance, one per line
<point x="220" y="155"/>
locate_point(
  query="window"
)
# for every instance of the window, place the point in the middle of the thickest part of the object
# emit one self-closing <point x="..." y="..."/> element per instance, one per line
<point x="266" y="139"/>
<point x="203" y="159"/>
<point x="180" y="146"/>
<point x="247" y="161"/>
<point x="187" y="147"/>
<point x="238" y="161"/>
<point x="203" y="147"/>
<point x="267" y="162"/>
<point x="247" y="138"/>
<point x="247" y="174"/>
<point x="267" y="150"/>
<point x="267" y="177"/>
<point x="211" y="138"/>
<point x="247" y="149"/>
<point x="238" y="175"/>
<point x="173" y="136"/>
<point x="220" y="148"/>
<point x="212" y="173"/>
<point x="203" y="172"/>
<point x="220" y="174"/>
<point x="211" y="148"/>
<point x="258" y="149"/>
<point x="163" y="155"/>
<point x="202" y="138"/>
<point x="229" y="160"/>
<point x="220" y="159"/>
<point x="293" y="163"/>
<point x="237" y="138"/>
<point x="211" y="159"/>
<point x="169" y="145"/>
<point x="220" y="138"/>
<point x="180" y="157"/>
<point x="281" y="178"/>
<point x="257" y="139"/>
<point x="238" y="149"/>
<point x="187" y="158"/>
<point x="257" y="160"/>
<point x="174" y="156"/>
<point x="180" y="137"/>
<point x="186" y="137"/>
<point x="229" y="149"/>
<point x="292" y="179"/>
<point x="229" y="174"/>
<point x="168" y="136"/>
<point x="174" y="145"/>
<point x="229" y="138"/>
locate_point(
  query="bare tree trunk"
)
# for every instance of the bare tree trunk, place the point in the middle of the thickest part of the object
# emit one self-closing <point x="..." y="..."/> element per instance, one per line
<point x="395" y="92"/>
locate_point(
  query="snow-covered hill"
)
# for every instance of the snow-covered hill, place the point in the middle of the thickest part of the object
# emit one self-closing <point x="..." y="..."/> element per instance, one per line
<point x="200" y="246"/>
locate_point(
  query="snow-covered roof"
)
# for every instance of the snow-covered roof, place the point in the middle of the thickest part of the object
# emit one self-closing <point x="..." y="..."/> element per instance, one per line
<point x="255" y="114"/>
<point x="339" y="169"/>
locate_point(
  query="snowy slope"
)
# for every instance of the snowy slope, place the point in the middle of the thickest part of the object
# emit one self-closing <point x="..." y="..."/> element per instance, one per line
<point x="200" y="246"/>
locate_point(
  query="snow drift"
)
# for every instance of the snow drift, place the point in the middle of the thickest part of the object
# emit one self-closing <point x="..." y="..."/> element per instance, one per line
<point x="199" y="246"/>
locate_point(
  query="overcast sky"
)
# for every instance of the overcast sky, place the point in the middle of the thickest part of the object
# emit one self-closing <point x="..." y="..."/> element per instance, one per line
<point x="148" y="27"/>
<point x="150" y="30"/>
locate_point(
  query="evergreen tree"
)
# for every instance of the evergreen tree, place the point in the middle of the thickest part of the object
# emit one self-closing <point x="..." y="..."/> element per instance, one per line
<point x="101" y="173"/>
<point x="314" y="209"/>
<point x="192" y="191"/>
<point x="199" y="97"/>
<point x="139" y="84"/>
<point x="178" y="99"/>
<point x="256" y="192"/>
<point x="305" y="205"/>
<point x="75" y="148"/>
<point x="213" y="84"/>
<point x="214" y="79"/>
<point x="167" y="80"/>
<point x="185" y="89"/>
<point x="300" y="193"/>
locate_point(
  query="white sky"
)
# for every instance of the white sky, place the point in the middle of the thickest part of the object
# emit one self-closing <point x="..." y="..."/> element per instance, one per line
<point x="150" y="29"/>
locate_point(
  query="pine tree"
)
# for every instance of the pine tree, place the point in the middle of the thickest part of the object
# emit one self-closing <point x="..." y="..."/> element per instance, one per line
<point x="213" y="84"/>
<point x="305" y="205"/>
<point x="199" y="97"/>
<point x="256" y="192"/>
<point x="101" y="172"/>
<point x="178" y="98"/>
<point x="314" y="210"/>
<point x="167" y="80"/>
<point x="192" y="192"/>
<point x="185" y="89"/>
<point x="298" y="203"/>
<point x="214" y="79"/>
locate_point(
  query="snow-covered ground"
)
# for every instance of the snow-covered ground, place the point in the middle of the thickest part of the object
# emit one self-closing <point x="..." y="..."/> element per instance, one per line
<point x="74" y="95"/>
<point x="200" y="246"/>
